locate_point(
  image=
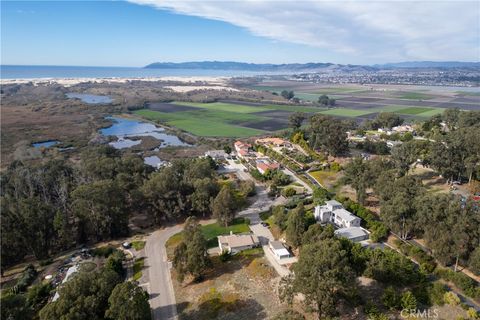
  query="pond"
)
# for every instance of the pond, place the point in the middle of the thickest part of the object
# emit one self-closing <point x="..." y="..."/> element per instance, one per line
<point x="90" y="98"/>
<point x="45" y="144"/>
<point x="124" y="128"/>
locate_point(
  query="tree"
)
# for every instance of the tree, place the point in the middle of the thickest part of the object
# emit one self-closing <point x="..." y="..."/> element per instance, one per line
<point x="205" y="190"/>
<point x="287" y="94"/>
<point x="359" y="175"/>
<point x="227" y="149"/>
<point x="322" y="275"/>
<point x="296" y="226"/>
<point x="101" y="210"/>
<point x="386" y="120"/>
<point x="84" y="297"/>
<point x="128" y="302"/>
<point x="398" y="209"/>
<point x="474" y="262"/>
<point x="14" y="306"/>
<point x="324" y="100"/>
<point x="328" y="134"/>
<point x="450" y="227"/>
<point x="191" y="256"/>
<point x="296" y="119"/>
<point x="223" y="206"/>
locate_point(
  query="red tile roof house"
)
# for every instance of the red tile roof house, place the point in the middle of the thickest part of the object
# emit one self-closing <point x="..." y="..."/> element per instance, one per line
<point x="242" y="148"/>
<point x="263" y="166"/>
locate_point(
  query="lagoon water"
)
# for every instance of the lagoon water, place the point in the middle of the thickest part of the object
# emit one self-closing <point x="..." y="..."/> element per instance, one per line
<point x="37" y="72"/>
<point x="124" y="128"/>
<point x="45" y="144"/>
<point x="153" y="161"/>
<point x="90" y="98"/>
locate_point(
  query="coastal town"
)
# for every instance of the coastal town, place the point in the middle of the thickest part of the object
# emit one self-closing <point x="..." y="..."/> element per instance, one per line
<point x="239" y="160"/>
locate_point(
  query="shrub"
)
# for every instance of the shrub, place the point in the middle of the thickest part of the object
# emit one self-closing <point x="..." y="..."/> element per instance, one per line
<point x="390" y="299"/>
<point x="103" y="251"/>
<point x="225" y="256"/>
<point x="408" y="301"/>
<point x="28" y="276"/>
<point x="289" y="192"/>
<point x="451" y="298"/>
<point x="436" y="293"/>
<point x="473" y="314"/>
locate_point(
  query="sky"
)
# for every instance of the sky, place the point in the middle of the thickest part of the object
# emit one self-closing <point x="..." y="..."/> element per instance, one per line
<point x="138" y="32"/>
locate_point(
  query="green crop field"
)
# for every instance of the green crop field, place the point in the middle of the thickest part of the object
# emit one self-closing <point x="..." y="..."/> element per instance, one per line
<point x="431" y="113"/>
<point x="219" y="106"/>
<point x="206" y="128"/>
<point x="414" y="110"/>
<point x="345" y="112"/>
<point x="415" y="96"/>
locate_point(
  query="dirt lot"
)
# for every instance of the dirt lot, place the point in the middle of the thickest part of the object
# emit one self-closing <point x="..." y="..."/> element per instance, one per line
<point x="242" y="288"/>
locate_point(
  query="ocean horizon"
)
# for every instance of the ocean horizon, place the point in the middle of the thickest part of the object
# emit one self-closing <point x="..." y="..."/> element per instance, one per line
<point x="12" y="72"/>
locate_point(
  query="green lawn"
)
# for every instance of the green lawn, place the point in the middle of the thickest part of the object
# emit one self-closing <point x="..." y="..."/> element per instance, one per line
<point x="138" y="245"/>
<point x="345" y="112"/>
<point x="137" y="268"/>
<point x="468" y="93"/>
<point x="211" y="232"/>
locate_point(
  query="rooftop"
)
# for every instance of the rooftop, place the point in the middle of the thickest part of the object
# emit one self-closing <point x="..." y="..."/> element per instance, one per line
<point x="345" y="215"/>
<point x="238" y="240"/>
<point x="350" y="233"/>
<point x="333" y="203"/>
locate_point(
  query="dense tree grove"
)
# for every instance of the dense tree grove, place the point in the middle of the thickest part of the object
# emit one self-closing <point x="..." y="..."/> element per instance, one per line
<point x="53" y="205"/>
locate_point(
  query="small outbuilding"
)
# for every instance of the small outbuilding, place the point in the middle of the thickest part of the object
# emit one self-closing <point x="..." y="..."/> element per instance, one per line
<point x="279" y="250"/>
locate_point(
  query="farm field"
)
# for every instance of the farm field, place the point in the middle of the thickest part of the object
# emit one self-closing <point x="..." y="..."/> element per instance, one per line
<point x="244" y="119"/>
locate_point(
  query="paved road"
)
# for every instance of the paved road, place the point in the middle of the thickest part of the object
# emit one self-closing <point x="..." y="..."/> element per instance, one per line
<point x="159" y="283"/>
<point x="159" y="286"/>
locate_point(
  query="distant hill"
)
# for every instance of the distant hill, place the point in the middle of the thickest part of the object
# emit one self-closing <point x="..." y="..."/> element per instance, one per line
<point x="306" y="67"/>
<point x="429" y="64"/>
<point x="230" y="65"/>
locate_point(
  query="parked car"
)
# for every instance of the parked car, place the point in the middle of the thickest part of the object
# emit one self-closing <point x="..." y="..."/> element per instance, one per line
<point x="264" y="224"/>
<point x="126" y="245"/>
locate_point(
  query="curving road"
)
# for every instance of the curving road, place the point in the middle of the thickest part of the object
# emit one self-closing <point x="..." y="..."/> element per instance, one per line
<point x="159" y="285"/>
<point x="158" y="281"/>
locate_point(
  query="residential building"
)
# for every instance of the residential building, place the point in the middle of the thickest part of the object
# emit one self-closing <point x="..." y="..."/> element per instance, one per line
<point x="216" y="154"/>
<point x="263" y="165"/>
<point x="234" y="243"/>
<point x="277" y="142"/>
<point x="354" y="234"/>
<point x="279" y="250"/>
<point x="333" y="212"/>
<point x="242" y="148"/>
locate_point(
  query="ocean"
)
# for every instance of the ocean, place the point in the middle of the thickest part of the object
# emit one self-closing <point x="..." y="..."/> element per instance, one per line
<point x="59" y="72"/>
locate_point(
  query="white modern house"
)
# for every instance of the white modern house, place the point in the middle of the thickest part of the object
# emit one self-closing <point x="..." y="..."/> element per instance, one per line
<point x="347" y="224"/>
<point x="216" y="154"/>
<point x="234" y="243"/>
<point x="279" y="250"/>
<point x="354" y="234"/>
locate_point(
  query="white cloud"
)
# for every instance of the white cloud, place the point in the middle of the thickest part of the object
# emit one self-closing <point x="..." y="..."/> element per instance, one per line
<point x="362" y="30"/>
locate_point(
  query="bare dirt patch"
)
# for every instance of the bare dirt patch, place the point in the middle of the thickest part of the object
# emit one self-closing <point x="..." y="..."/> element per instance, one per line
<point x="242" y="288"/>
<point x="267" y="125"/>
